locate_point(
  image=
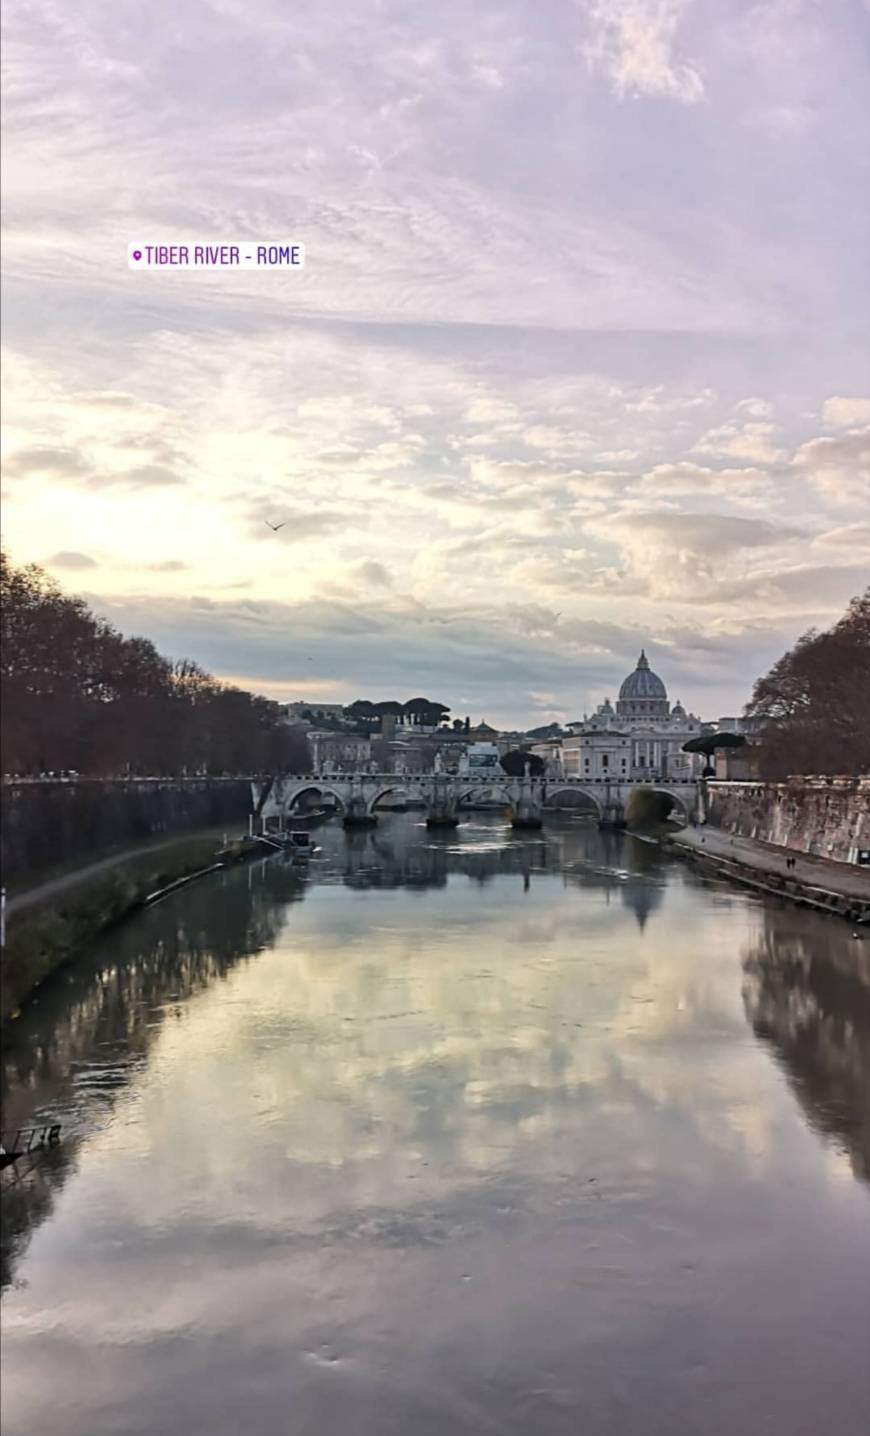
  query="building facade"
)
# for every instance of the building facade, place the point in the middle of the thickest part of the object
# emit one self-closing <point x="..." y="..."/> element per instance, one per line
<point x="338" y="752"/>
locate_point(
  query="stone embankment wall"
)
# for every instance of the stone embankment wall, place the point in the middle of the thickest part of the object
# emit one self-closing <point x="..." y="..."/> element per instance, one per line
<point x="47" y="824"/>
<point x="829" y="817"/>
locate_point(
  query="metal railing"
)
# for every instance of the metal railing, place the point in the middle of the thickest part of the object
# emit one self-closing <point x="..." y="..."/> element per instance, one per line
<point x="24" y="1141"/>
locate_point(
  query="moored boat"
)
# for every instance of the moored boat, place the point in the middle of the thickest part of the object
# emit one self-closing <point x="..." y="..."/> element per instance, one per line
<point x="299" y="844"/>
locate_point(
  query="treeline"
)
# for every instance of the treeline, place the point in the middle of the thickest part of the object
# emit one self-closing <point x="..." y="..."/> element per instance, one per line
<point x="419" y="712"/>
<point x="814" y="704"/>
<point x="365" y="718"/>
<point x="77" y="695"/>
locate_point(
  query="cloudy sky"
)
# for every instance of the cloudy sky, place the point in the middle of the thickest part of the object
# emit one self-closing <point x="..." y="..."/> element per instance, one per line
<point x="578" y="361"/>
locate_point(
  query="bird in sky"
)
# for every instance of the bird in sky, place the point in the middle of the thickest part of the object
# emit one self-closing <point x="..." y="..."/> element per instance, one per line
<point x="274" y="527"/>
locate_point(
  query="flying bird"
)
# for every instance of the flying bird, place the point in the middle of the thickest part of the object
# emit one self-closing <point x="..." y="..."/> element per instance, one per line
<point x="274" y="527"/>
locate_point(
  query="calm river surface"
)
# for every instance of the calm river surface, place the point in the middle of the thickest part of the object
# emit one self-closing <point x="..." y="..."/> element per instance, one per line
<point x="447" y="1135"/>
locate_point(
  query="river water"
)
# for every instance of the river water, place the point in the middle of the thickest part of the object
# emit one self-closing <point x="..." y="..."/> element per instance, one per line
<point x="445" y="1135"/>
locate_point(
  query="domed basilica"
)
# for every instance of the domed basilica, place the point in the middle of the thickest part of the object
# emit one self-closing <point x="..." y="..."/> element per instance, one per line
<point x="641" y="738"/>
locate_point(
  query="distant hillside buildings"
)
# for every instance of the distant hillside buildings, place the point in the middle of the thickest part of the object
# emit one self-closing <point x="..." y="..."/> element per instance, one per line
<point x="641" y="738"/>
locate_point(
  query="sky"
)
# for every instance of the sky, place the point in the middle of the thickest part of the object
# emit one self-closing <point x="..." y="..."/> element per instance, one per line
<point x="578" y="362"/>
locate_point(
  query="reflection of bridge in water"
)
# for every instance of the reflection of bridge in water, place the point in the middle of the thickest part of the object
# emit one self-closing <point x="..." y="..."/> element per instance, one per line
<point x="623" y="868"/>
<point x="444" y="795"/>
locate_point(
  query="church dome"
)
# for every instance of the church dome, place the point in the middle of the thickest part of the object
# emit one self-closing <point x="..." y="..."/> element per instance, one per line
<point x="642" y="684"/>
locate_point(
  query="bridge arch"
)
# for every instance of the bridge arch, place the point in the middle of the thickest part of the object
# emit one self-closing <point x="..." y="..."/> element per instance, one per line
<point x="498" y="788"/>
<point x="398" y="787"/>
<point x="321" y="789"/>
<point x="683" y="801"/>
<point x="555" y="789"/>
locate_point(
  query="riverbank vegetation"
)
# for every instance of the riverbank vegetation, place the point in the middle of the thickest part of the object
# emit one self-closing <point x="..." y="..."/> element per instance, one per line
<point x="78" y="695"/>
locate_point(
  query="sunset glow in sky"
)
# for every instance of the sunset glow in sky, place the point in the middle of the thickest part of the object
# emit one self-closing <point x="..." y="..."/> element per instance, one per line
<point x="578" y="361"/>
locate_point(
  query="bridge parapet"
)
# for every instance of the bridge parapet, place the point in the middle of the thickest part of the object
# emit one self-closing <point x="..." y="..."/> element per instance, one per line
<point x="471" y="780"/>
<point x="359" y="793"/>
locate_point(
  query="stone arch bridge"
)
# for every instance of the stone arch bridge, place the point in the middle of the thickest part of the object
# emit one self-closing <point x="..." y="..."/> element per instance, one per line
<point x="443" y="796"/>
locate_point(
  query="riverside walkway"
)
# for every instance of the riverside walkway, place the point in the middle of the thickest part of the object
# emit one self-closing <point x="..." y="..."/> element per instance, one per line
<point x="810" y="871"/>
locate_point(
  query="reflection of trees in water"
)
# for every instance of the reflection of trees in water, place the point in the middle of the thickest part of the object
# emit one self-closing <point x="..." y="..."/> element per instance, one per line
<point x="106" y="1003"/>
<point x="28" y="1197"/>
<point x="171" y="950"/>
<point x="807" y="992"/>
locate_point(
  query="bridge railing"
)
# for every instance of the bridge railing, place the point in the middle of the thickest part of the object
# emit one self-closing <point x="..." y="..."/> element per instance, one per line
<point x="490" y="781"/>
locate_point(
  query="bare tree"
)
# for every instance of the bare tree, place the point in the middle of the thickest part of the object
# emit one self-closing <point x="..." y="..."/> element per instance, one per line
<point x="77" y="694"/>
<point x="814" y="704"/>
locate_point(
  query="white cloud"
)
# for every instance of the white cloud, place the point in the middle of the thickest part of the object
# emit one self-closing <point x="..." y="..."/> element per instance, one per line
<point x="838" y="468"/>
<point x="543" y="484"/>
<point x="144" y="476"/>
<point x="753" y="441"/>
<point x="689" y="478"/>
<point x="854" y="538"/>
<point x="634" y="43"/>
<point x="555" y="440"/>
<point x="676" y="555"/>
<point x="846" y="413"/>
<point x="756" y="408"/>
<point x="490" y="411"/>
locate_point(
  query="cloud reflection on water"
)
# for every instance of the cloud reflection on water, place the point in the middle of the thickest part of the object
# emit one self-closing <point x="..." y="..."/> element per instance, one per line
<point x="321" y="1079"/>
